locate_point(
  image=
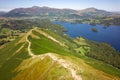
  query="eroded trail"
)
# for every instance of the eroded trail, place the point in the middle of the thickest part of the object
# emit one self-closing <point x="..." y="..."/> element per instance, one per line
<point x="71" y="67"/>
<point x="29" y="44"/>
<point x="66" y="64"/>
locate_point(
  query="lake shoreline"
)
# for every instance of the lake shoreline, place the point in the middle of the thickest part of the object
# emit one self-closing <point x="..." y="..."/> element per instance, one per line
<point x="108" y="35"/>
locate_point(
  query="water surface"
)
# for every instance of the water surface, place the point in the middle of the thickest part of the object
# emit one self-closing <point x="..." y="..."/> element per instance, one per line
<point x="110" y="35"/>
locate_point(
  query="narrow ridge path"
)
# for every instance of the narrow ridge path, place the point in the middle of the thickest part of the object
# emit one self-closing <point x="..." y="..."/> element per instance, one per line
<point x="66" y="64"/>
<point x="29" y="44"/>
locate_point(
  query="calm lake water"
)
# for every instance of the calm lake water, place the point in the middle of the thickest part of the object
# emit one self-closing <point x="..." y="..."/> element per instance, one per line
<point x="110" y="35"/>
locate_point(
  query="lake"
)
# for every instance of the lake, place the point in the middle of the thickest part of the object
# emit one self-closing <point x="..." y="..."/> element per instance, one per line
<point x="110" y="35"/>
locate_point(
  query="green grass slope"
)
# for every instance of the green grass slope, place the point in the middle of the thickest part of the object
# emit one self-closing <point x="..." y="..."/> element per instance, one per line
<point x="11" y="55"/>
<point x="51" y="60"/>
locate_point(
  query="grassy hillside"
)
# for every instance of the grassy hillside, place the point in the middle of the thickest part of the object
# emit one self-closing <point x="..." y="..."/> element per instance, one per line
<point x="11" y="55"/>
<point x="55" y="57"/>
<point x="45" y="45"/>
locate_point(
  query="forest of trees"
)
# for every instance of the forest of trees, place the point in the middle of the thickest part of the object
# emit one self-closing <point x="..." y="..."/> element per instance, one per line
<point x="99" y="51"/>
<point x="105" y="53"/>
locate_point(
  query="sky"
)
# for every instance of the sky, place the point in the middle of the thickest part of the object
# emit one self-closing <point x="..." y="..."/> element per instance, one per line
<point x="109" y="5"/>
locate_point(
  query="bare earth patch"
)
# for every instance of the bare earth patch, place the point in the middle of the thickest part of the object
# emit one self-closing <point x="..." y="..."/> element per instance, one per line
<point x="34" y="36"/>
<point x="66" y="64"/>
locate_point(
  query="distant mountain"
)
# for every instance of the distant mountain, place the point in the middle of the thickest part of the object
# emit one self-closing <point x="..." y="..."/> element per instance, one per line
<point x="94" y="12"/>
<point x="36" y="11"/>
<point x="2" y="13"/>
<point x="43" y="11"/>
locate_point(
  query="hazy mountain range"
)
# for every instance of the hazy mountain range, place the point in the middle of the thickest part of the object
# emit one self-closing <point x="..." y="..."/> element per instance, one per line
<point x="2" y="13"/>
<point x="38" y="11"/>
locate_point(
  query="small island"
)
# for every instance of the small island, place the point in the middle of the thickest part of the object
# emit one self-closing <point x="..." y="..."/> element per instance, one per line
<point x="94" y="29"/>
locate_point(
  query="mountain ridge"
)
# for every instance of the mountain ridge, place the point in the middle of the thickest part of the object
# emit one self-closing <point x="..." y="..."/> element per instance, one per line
<point x="39" y="61"/>
<point x="37" y="11"/>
